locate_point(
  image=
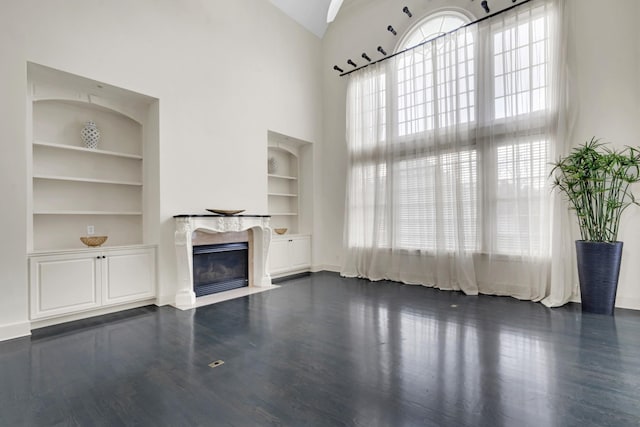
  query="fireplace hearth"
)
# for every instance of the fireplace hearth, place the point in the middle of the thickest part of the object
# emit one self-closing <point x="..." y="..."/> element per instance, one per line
<point x="220" y="267"/>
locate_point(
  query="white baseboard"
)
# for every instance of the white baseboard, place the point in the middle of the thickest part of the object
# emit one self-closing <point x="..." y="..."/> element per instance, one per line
<point x="165" y="300"/>
<point x="325" y="267"/>
<point x="15" y="330"/>
<point x="36" y="324"/>
<point x="630" y="303"/>
<point x="290" y="273"/>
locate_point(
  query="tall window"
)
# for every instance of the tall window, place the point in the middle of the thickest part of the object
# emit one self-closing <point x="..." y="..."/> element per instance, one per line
<point x="448" y="142"/>
<point x="520" y="67"/>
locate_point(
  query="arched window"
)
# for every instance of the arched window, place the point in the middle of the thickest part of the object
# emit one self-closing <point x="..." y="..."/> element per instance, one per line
<point x="431" y="27"/>
<point x="427" y="97"/>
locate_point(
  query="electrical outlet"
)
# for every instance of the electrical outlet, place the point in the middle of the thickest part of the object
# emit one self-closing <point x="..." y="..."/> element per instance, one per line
<point x="91" y="230"/>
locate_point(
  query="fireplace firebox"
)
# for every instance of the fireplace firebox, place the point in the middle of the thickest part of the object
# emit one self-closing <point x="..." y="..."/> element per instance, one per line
<point x="220" y="267"/>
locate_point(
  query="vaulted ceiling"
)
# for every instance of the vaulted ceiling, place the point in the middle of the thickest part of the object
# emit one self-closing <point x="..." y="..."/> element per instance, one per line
<point x="311" y="14"/>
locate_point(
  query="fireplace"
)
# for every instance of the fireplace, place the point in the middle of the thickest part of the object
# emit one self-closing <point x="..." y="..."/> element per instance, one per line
<point x="199" y="230"/>
<point x="220" y="267"/>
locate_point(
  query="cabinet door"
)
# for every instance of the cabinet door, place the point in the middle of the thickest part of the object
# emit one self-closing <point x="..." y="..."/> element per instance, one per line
<point x="62" y="284"/>
<point x="300" y="252"/>
<point x="279" y="256"/>
<point x="128" y="275"/>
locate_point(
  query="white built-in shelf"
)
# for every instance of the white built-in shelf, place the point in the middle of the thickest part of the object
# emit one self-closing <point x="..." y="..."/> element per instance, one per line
<point x="289" y="179"/>
<point x="282" y="176"/>
<point x="44" y="212"/>
<point x="282" y="187"/>
<point x="91" y="180"/>
<point x="282" y="194"/>
<point x="71" y="187"/>
<point x="87" y="150"/>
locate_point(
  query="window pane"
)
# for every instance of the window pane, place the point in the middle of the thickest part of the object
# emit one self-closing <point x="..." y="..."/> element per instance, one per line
<point x="497" y="43"/>
<point x="538" y="76"/>
<point x="523" y="35"/>
<point x="522" y="58"/>
<point x="538" y="29"/>
<point x="498" y="65"/>
<point x="539" y="54"/>
<point x="499" y="86"/>
<point x="539" y="100"/>
<point x="520" y="69"/>
<point x="500" y="111"/>
<point x="523" y="80"/>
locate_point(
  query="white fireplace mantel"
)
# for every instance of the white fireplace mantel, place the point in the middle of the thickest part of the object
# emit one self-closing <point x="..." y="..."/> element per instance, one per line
<point x="187" y="224"/>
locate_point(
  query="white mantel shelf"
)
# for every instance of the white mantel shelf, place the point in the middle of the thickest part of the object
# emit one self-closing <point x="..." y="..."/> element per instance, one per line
<point x="187" y="224"/>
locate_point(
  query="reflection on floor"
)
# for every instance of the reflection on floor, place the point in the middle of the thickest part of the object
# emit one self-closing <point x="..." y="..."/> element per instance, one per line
<point x="323" y="350"/>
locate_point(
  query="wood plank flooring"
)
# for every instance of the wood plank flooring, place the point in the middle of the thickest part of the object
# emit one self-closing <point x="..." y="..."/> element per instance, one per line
<point x="327" y="351"/>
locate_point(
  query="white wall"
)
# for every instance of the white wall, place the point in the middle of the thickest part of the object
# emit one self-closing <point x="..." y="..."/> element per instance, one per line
<point x="606" y="50"/>
<point x="224" y="72"/>
<point x="607" y="47"/>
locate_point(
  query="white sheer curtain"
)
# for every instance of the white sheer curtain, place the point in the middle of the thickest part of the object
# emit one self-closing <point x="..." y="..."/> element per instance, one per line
<point x="449" y="150"/>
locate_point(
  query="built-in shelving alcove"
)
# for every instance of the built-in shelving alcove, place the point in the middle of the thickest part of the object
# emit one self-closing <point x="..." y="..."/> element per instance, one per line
<point x="76" y="190"/>
<point x="110" y="188"/>
<point x="290" y="198"/>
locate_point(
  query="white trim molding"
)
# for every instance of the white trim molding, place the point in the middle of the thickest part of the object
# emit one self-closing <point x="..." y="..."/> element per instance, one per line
<point x="325" y="267"/>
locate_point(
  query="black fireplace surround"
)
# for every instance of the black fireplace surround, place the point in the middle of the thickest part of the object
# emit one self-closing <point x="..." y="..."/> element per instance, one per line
<point x="220" y="267"/>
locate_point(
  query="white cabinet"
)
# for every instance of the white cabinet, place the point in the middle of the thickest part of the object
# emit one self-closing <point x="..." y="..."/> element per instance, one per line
<point x="279" y="256"/>
<point x="129" y="275"/>
<point x="300" y="252"/>
<point x="289" y="254"/>
<point x="62" y="284"/>
<point x="72" y="282"/>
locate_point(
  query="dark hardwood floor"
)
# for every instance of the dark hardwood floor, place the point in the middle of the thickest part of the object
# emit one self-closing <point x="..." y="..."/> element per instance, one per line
<point x="324" y="351"/>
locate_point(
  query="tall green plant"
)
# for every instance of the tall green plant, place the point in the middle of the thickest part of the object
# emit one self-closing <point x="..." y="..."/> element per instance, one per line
<point x="597" y="181"/>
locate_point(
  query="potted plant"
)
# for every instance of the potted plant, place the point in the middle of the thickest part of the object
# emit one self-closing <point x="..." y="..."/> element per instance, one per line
<point x="597" y="183"/>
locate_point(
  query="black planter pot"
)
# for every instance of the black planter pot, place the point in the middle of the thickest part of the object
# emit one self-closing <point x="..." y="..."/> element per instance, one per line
<point x="598" y="270"/>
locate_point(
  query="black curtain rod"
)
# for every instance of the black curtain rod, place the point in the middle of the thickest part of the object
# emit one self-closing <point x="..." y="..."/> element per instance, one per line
<point x="435" y="38"/>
